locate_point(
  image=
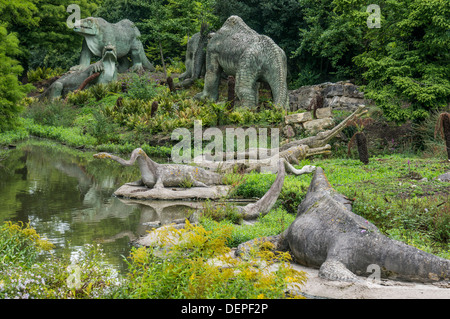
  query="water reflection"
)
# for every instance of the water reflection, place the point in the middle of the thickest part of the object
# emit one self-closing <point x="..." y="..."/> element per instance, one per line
<point x="67" y="196"/>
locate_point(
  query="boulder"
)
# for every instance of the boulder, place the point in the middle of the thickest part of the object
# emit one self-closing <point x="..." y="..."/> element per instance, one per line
<point x="298" y="118"/>
<point x="318" y="125"/>
<point x="324" y="113"/>
<point x="341" y="95"/>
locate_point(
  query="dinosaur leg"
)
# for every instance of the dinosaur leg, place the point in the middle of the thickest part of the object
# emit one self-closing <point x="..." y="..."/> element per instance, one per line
<point x="199" y="184"/>
<point x="136" y="49"/>
<point x="304" y="170"/>
<point x="56" y="90"/>
<point x="246" y="81"/>
<point x="159" y="184"/>
<point x="212" y="78"/>
<point x="85" y="58"/>
<point x="333" y="269"/>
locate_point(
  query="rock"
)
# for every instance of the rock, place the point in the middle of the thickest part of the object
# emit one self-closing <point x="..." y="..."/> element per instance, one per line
<point x="323" y="112"/>
<point x="288" y="131"/>
<point x="143" y="192"/>
<point x="298" y="118"/>
<point x="315" y="126"/>
<point x="342" y="95"/>
<point x="444" y="177"/>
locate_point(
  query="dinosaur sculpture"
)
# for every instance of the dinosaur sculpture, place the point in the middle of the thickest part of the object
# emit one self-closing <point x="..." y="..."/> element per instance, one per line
<point x="292" y="152"/>
<point x="239" y="51"/>
<point x="105" y="69"/>
<point x="123" y="35"/>
<point x="195" y="57"/>
<point x="154" y="175"/>
<point x="327" y="234"/>
<point x="248" y="161"/>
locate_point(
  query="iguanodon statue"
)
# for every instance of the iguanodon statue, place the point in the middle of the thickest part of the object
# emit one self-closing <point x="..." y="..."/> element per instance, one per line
<point x="105" y="71"/>
<point x="241" y="52"/>
<point x="123" y="35"/>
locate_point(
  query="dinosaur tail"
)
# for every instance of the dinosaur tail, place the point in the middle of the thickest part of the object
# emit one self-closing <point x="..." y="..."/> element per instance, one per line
<point x="397" y="259"/>
<point x="265" y="203"/>
<point x="145" y="62"/>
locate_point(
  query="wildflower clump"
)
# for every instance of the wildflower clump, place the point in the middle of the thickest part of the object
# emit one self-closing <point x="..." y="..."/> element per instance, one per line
<point x="23" y="275"/>
<point x="199" y="264"/>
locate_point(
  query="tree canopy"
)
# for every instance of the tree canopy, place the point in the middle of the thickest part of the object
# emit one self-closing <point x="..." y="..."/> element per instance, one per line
<point x="403" y="65"/>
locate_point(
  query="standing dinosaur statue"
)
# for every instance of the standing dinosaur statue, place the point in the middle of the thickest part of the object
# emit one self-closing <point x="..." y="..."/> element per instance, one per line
<point x="195" y="57"/>
<point x="326" y="234"/>
<point x="239" y="51"/>
<point x="123" y="35"/>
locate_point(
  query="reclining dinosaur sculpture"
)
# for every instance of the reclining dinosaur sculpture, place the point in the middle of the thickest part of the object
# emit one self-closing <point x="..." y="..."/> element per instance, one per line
<point x="327" y="234"/>
<point x="292" y="152"/>
<point x="154" y="175"/>
<point x="322" y="138"/>
<point x="123" y="35"/>
<point x="105" y="71"/>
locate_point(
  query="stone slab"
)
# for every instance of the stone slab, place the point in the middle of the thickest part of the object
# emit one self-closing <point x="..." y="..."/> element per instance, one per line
<point x="172" y="193"/>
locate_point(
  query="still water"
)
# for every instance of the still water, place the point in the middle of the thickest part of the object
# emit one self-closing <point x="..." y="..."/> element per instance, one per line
<point x="67" y="196"/>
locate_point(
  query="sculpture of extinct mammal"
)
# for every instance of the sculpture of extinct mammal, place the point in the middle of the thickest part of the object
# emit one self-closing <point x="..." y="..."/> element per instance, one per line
<point x="239" y="51"/>
<point x="123" y="35"/>
<point x="72" y="80"/>
<point x="327" y="234"/>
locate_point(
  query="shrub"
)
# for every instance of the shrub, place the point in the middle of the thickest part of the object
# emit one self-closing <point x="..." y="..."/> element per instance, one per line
<point x="20" y="244"/>
<point x="199" y="267"/>
<point x="43" y="73"/>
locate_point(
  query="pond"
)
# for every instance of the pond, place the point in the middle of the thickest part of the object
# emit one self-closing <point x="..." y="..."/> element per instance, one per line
<point x="67" y="196"/>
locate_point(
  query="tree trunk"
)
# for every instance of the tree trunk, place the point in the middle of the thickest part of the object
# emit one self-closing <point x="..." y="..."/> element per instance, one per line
<point x="361" y="143"/>
<point x="446" y="131"/>
<point x="162" y="59"/>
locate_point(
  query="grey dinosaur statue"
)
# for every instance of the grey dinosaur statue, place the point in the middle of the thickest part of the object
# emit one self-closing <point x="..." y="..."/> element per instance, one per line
<point x="251" y="160"/>
<point x="292" y="152"/>
<point x="106" y="70"/>
<point x="239" y="51"/>
<point x="154" y="175"/>
<point x="195" y="57"/>
<point x="123" y="35"/>
<point x="326" y="234"/>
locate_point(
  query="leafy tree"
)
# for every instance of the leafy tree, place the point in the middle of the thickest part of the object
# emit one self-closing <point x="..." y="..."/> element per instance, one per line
<point x="406" y="62"/>
<point x="403" y="65"/>
<point x="45" y="39"/>
<point x="166" y="22"/>
<point x="11" y="90"/>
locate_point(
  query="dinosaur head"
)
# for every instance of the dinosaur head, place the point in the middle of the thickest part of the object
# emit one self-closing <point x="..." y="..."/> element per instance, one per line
<point x="86" y="26"/>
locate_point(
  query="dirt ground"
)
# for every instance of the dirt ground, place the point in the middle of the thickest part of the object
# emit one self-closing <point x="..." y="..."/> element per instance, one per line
<point x="317" y="287"/>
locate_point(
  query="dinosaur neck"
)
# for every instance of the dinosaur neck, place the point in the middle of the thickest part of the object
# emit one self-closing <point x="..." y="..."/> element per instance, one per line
<point x="328" y="135"/>
<point x="146" y="165"/>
